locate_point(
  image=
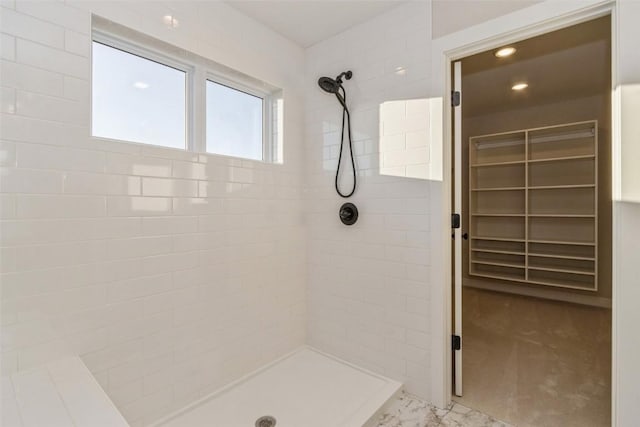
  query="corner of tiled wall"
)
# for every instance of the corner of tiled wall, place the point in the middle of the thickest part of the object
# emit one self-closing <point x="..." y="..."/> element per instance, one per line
<point x="368" y="284"/>
<point x="170" y="273"/>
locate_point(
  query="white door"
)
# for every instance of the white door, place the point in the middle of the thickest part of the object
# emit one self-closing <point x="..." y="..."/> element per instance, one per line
<point x="457" y="232"/>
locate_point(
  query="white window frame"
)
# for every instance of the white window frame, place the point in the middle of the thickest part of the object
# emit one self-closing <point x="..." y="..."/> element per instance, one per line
<point x="198" y="71"/>
<point x="268" y="148"/>
<point x="161" y="58"/>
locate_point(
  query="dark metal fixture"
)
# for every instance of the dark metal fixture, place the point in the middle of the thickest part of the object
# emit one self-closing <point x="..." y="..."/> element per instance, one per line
<point x="348" y="214"/>
<point x="335" y="87"/>
<point x="266" y="421"/>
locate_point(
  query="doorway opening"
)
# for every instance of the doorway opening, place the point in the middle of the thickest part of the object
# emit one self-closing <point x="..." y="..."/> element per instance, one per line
<point x="532" y="256"/>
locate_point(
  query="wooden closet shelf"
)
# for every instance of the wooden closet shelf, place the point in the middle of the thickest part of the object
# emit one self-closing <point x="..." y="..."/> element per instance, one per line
<point x="497" y="251"/>
<point x="556" y="187"/>
<point x="499" y="264"/>
<point x="511" y="162"/>
<point x="498" y="189"/>
<point x="498" y="214"/>
<point x="561" y="215"/>
<point x="562" y="159"/>
<point x="500" y="276"/>
<point x="572" y="257"/>
<point x="562" y="270"/>
<point x="497" y="239"/>
<point x="563" y="242"/>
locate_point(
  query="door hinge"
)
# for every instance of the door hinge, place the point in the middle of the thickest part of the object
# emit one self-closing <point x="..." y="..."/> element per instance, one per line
<point x="455" y="98"/>
<point x="456" y="342"/>
<point x="455" y="220"/>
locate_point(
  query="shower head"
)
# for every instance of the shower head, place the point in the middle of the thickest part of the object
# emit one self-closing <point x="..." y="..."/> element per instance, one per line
<point x="330" y="85"/>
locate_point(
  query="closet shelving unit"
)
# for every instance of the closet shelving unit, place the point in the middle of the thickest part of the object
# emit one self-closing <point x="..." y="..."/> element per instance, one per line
<point x="533" y="198"/>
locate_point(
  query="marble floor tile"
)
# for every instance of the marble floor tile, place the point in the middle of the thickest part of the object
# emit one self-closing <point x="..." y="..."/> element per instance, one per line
<point x="409" y="411"/>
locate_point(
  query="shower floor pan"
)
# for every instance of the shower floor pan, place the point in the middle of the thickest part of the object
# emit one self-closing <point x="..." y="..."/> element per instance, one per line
<point x="304" y="389"/>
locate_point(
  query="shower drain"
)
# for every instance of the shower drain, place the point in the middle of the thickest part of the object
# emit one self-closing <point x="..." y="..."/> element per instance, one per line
<point x="266" y="421"/>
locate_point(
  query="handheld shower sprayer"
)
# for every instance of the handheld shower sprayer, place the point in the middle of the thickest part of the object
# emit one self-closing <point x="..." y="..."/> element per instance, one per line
<point x="330" y="85"/>
<point x="334" y="86"/>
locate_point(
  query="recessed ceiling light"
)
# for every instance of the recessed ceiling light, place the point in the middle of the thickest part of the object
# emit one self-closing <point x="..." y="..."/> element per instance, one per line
<point x="141" y="85"/>
<point x="170" y="21"/>
<point x="520" y="86"/>
<point x="505" y="51"/>
<point x="401" y="71"/>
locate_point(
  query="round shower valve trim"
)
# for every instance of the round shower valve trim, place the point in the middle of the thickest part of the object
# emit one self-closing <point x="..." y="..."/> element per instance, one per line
<point x="348" y="214"/>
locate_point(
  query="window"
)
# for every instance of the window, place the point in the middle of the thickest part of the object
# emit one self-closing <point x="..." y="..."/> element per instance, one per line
<point x="136" y="99"/>
<point x="234" y="122"/>
<point x="146" y="91"/>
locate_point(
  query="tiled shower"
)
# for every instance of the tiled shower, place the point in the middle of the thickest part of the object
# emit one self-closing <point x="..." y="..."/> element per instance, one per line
<point x="368" y="286"/>
<point x="170" y="273"/>
<point x="173" y="273"/>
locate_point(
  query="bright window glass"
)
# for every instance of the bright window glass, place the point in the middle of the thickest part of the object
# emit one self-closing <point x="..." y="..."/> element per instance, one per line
<point x="136" y="99"/>
<point x="234" y="122"/>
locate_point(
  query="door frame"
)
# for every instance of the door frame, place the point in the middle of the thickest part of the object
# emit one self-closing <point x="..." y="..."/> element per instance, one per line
<point x="532" y="21"/>
<point x="456" y="207"/>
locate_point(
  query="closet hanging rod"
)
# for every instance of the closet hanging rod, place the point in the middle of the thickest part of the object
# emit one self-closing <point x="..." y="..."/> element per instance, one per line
<point x="551" y="138"/>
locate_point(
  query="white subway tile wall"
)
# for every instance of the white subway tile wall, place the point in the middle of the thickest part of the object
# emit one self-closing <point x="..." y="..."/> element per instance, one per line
<point x="368" y="284"/>
<point x="170" y="273"/>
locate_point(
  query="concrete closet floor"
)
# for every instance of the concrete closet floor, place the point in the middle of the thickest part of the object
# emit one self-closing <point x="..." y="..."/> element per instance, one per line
<point x="535" y="362"/>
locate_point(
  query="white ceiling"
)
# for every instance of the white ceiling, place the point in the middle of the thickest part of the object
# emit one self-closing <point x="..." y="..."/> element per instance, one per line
<point x="450" y="16"/>
<point x="564" y="64"/>
<point x="307" y="22"/>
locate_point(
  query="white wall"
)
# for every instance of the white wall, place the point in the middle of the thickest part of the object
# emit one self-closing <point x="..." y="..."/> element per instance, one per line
<point x="450" y="16"/>
<point x="629" y="90"/>
<point x="368" y="289"/>
<point x="626" y="303"/>
<point x="170" y="273"/>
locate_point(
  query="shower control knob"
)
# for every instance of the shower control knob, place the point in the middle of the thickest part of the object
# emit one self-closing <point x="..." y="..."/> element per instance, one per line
<point x="348" y="214"/>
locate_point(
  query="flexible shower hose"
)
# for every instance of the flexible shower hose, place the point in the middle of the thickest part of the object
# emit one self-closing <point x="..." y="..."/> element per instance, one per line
<point x="347" y="116"/>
